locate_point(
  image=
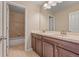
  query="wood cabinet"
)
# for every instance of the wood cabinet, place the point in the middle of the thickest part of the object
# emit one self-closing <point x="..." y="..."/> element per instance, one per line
<point x="33" y="42"/>
<point x="48" y="50"/>
<point x="39" y="47"/>
<point x="54" y="47"/>
<point x="65" y="53"/>
<point x="37" y="44"/>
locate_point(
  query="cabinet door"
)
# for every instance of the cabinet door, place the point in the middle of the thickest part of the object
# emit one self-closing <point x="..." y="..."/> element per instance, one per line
<point x="48" y="50"/>
<point x="33" y="43"/>
<point x="39" y="47"/>
<point x="65" y="53"/>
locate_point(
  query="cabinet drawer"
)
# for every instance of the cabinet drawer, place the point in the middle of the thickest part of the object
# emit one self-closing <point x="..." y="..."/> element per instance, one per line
<point x="73" y="47"/>
<point x="50" y="40"/>
<point x="36" y="36"/>
<point x="65" y="53"/>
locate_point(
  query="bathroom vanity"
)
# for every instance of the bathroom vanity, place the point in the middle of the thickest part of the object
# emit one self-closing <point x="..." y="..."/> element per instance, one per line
<point x="55" y="45"/>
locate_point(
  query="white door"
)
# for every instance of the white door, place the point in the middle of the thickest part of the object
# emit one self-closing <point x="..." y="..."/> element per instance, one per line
<point x="2" y="29"/>
<point x="1" y="41"/>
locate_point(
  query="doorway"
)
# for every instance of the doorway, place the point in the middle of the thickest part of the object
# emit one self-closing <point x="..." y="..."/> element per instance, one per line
<point x="16" y="40"/>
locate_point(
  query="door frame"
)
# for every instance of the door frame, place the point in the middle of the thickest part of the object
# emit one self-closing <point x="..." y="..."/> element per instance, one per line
<point x="26" y="21"/>
<point x="1" y="29"/>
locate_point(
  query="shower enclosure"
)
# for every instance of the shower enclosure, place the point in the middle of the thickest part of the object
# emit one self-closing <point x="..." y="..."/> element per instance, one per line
<point x="16" y="25"/>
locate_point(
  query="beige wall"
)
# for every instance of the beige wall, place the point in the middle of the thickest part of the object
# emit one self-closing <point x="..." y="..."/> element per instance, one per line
<point x="33" y="21"/>
<point x="62" y="17"/>
<point x="17" y="25"/>
<point x="44" y="19"/>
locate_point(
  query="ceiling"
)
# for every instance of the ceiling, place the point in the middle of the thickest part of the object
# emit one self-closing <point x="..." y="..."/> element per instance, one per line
<point x="29" y="2"/>
<point x="16" y="9"/>
<point x="60" y="6"/>
<point x="38" y="2"/>
<point x="63" y="5"/>
<point x="20" y="9"/>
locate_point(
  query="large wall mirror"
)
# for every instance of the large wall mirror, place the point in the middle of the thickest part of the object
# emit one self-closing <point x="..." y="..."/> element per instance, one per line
<point x="66" y="17"/>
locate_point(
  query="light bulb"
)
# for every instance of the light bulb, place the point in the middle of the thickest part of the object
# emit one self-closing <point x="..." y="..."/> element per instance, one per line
<point x="45" y="5"/>
<point x="48" y="7"/>
<point x="50" y="2"/>
<point x="54" y="4"/>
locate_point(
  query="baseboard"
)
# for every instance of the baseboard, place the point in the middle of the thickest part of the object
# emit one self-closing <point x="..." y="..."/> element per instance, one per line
<point x="30" y="49"/>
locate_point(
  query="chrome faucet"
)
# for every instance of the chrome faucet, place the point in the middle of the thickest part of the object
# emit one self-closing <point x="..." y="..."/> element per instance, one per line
<point x="63" y="32"/>
<point x="43" y="31"/>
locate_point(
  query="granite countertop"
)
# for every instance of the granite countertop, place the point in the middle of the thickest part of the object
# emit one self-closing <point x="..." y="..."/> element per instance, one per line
<point x="68" y="37"/>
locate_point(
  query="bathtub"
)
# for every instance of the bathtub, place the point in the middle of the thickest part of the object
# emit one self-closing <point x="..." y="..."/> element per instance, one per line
<point x="16" y="41"/>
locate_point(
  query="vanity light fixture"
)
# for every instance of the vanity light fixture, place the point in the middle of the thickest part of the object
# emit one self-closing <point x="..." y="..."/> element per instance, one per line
<point x="46" y="6"/>
<point x="52" y="3"/>
<point x="49" y="4"/>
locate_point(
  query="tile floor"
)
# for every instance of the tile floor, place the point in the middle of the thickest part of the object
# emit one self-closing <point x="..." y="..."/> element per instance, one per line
<point x="18" y="51"/>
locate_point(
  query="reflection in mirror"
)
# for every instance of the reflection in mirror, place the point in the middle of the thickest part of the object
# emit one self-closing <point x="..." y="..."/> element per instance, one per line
<point x="51" y="23"/>
<point x="74" y="21"/>
<point x="66" y="17"/>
